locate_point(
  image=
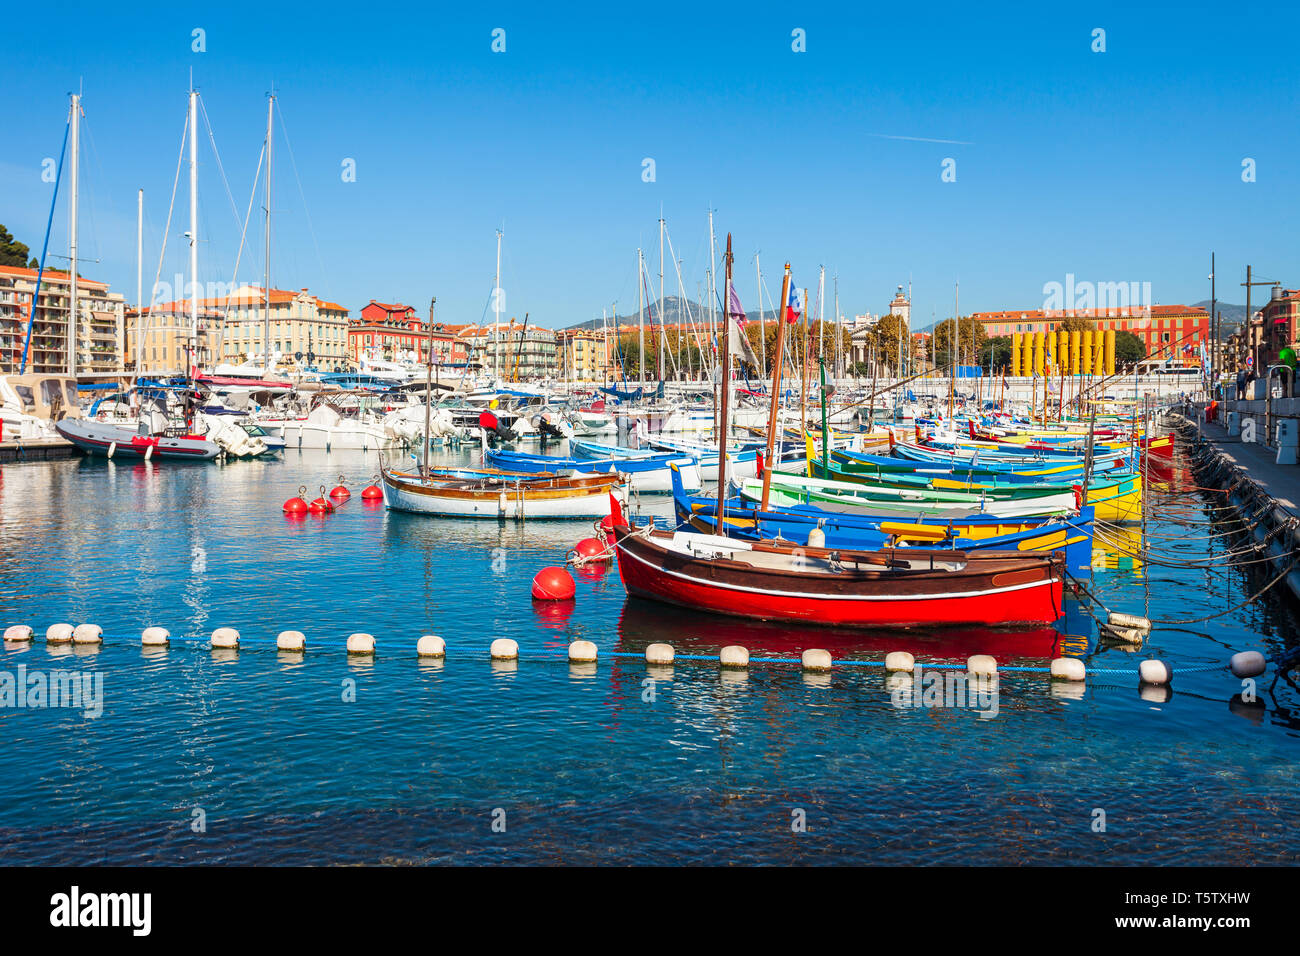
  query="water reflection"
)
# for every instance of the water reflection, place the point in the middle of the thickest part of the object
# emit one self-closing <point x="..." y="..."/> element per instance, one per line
<point x="645" y="622"/>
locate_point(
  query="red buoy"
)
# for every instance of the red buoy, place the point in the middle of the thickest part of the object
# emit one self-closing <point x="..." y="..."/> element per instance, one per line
<point x="295" y="506"/>
<point x="589" y="549"/>
<point x="340" y="493"/>
<point x="553" y="584"/>
<point x="321" y="507"/>
<point x="371" y="493"/>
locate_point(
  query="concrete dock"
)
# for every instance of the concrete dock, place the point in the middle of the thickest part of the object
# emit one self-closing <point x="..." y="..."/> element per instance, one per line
<point x="36" y="449"/>
<point x="1257" y="486"/>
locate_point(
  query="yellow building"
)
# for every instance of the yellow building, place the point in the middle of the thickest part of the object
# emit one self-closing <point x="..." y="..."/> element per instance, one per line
<point x="232" y="329"/>
<point x="584" y="356"/>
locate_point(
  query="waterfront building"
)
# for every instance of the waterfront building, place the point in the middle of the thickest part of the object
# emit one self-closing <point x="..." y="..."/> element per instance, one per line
<point x="394" y="333"/>
<point x="301" y="324"/>
<point x="160" y="340"/>
<point x="1279" y="326"/>
<point x="100" y="322"/>
<point x="511" y="351"/>
<point x="584" y="355"/>
<point x="1168" y="331"/>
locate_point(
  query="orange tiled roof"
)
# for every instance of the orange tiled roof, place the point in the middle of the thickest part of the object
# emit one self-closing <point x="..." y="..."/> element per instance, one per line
<point x="1038" y="315"/>
<point x="58" y="275"/>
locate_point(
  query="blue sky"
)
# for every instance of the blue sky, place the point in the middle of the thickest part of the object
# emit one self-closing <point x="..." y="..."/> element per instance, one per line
<point x="1115" y="166"/>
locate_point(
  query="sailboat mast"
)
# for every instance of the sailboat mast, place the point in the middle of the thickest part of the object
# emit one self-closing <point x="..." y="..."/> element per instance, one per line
<point x="72" y="237"/>
<point x="139" y="279"/>
<point x="640" y="321"/>
<point x="762" y="322"/>
<point x="725" y="385"/>
<point x="266" y="275"/>
<point x="496" y="302"/>
<point x="663" y="328"/>
<point x="768" y="462"/>
<point x="713" y="286"/>
<point x="194" y="230"/>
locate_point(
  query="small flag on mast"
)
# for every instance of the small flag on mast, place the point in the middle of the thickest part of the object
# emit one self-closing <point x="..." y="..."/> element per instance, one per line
<point x="792" y="307"/>
<point x="739" y="341"/>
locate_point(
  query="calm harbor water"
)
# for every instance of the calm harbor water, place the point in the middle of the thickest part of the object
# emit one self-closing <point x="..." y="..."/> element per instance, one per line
<point x="320" y="758"/>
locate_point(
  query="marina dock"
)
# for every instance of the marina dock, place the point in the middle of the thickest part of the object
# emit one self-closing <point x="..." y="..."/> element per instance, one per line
<point x="1264" y="493"/>
<point x="37" y="449"/>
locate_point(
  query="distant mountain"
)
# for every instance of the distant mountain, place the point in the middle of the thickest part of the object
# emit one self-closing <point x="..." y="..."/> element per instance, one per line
<point x="675" y="312"/>
<point x="1233" y="315"/>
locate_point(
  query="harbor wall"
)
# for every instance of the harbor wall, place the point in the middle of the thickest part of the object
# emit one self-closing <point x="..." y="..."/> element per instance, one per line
<point x="1261" y="492"/>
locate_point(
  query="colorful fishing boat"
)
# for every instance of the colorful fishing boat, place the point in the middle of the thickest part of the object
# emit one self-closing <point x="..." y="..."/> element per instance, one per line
<point x="787" y="490"/>
<point x="902" y="587"/>
<point x="643" y="474"/>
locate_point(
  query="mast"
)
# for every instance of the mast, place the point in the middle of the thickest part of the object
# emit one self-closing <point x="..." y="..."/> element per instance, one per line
<point x="139" y="279"/>
<point x="725" y="385"/>
<point x="663" y="330"/>
<point x="72" y="237"/>
<point x="194" y="230"/>
<point x="640" y="321"/>
<point x="776" y="386"/>
<point x="762" y="322"/>
<point x="428" y="387"/>
<point x="496" y="302"/>
<point x="266" y="275"/>
<point x="838" y="343"/>
<point x="713" y="287"/>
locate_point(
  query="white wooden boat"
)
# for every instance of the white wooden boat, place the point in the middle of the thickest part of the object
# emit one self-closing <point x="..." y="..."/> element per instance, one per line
<point x="502" y="497"/>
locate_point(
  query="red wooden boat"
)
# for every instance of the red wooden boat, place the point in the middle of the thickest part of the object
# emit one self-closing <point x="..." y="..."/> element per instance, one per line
<point x="904" y="587"/>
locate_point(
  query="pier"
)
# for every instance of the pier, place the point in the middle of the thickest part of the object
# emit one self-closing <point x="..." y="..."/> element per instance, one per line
<point x="1264" y="493"/>
<point x="36" y="449"/>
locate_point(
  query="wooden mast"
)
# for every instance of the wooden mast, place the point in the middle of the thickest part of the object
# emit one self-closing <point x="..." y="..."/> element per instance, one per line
<point x="776" y="384"/>
<point x="725" y="385"/>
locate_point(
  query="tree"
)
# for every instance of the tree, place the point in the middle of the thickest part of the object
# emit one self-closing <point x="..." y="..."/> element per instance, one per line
<point x="1129" y="349"/>
<point x="13" y="252"/>
<point x="884" y="339"/>
<point x="970" y="339"/>
<point x="999" y="348"/>
<point x="1076" y="323"/>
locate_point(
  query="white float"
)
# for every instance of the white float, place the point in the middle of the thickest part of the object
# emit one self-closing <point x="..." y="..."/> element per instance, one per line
<point x="58" y="634"/>
<point x="361" y="644"/>
<point x="18" y="633"/>
<point x="88" y="634"/>
<point x="582" y="652"/>
<point x="224" y="637"/>
<point x="900" y="661"/>
<point x="155" y="637"/>
<point x="1068" y="668"/>
<point x="659" y="654"/>
<point x="504" y="649"/>
<point x="431" y="645"/>
<point x="1245" y="664"/>
<point x="816" y="659"/>
<point x="733" y="655"/>
<point x="981" y="665"/>
<point x="291" y="641"/>
<point x="1155" y="672"/>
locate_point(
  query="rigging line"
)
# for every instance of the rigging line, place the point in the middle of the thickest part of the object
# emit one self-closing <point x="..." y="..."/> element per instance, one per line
<point x="306" y="211"/>
<point x="94" y="194"/>
<point x="207" y="121"/>
<point x="162" y="252"/>
<point x="49" y="225"/>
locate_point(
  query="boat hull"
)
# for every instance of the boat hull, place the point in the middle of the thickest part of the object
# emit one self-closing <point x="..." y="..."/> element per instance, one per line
<point x="500" y="500"/>
<point x="114" y="441"/>
<point x="1024" y="591"/>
